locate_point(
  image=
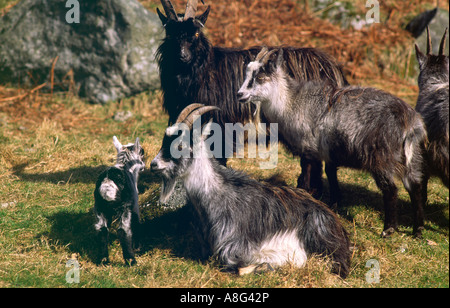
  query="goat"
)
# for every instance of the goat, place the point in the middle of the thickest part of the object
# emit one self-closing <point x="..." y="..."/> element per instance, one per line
<point x="116" y="194"/>
<point x="433" y="105"/>
<point x="362" y="128"/>
<point x="194" y="71"/>
<point x="249" y="225"/>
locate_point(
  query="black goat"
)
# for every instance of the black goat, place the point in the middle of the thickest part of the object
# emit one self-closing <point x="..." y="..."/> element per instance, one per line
<point x="362" y="128"/>
<point x="248" y="225"/>
<point x="433" y="105"/>
<point x="116" y="194"/>
<point x="194" y="71"/>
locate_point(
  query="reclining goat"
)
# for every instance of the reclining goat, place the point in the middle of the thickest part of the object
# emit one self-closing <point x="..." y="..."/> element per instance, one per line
<point x="245" y="223"/>
<point x="356" y="127"/>
<point x="116" y="194"/>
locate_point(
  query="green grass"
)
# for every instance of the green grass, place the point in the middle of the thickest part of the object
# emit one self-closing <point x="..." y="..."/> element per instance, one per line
<point x="49" y="162"/>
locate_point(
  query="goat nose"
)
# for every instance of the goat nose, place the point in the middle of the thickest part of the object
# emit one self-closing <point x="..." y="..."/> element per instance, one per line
<point x="240" y="97"/>
<point x="154" y="165"/>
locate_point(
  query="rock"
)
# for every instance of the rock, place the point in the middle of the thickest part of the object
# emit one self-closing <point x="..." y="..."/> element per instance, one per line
<point x="122" y="116"/>
<point x="111" y="51"/>
<point x="178" y="198"/>
<point x="6" y="205"/>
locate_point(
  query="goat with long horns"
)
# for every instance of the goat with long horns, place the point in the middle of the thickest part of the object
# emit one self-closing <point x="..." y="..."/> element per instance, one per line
<point x="248" y="225"/>
<point x="192" y="70"/>
<point x="433" y="105"/>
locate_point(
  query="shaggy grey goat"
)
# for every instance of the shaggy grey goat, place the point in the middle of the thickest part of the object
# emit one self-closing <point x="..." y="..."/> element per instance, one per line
<point x="433" y="105"/>
<point x="248" y="225"/>
<point x="362" y="128"/>
<point x="116" y="193"/>
<point x="192" y="70"/>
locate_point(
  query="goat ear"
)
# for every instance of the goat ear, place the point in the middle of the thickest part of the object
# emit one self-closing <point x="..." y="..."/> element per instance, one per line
<point x="117" y="144"/>
<point x="273" y="60"/>
<point x="202" y="18"/>
<point x="163" y="18"/>
<point x="137" y="145"/>
<point x="421" y="58"/>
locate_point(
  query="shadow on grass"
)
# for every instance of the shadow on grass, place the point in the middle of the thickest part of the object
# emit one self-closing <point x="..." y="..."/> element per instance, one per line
<point x="82" y="174"/>
<point x="173" y="230"/>
<point x="160" y="228"/>
<point x="355" y="195"/>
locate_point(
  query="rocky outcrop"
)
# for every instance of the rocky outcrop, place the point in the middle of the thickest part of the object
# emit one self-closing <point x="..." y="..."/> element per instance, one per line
<point x="108" y="48"/>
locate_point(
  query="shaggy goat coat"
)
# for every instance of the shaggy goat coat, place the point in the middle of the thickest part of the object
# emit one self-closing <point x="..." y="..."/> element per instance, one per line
<point x="356" y="127"/>
<point x="194" y="71"/>
<point x="246" y="223"/>
<point x="433" y="105"/>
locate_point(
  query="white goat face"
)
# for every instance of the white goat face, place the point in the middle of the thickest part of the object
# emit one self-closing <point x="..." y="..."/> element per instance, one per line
<point x="260" y="76"/>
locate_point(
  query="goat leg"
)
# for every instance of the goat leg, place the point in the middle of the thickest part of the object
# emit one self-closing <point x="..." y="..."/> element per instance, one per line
<point x="311" y="177"/>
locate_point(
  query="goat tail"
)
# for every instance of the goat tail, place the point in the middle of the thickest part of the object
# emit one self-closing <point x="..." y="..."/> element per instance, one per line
<point x="415" y="139"/>
<point x="414" y="147"/>
<point x="323" y="234"/>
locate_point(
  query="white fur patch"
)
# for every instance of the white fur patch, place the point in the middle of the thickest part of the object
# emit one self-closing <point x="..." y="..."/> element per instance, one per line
<point x="201" y="176"/>
<point x="108" y="190"/>
<point x="253" y="66"/>
<point x="280" y="249"/>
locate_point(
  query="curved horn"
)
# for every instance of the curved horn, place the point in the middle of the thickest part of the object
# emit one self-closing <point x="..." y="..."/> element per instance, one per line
<point x="198" y="112"/>
<point x="442" y="45"/>
<point x="186" y="111"/>
<point x="429" y="47"/>
<point x="168" y="8"/>
<point x="261" y="54"/>
<point x="267" y="56"/>
<point x="191" y="9"/>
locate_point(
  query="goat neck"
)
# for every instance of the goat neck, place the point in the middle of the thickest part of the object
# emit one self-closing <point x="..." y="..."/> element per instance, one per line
<point x="202" y="181"/>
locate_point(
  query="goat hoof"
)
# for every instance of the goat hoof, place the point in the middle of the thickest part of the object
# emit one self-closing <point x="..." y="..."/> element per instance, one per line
<point x="247" y="270"/>
<point x="418" y="233"/>
<point x="256" y="269"/>
<point x="262" y="268"/>
<point x="388" y="232"/>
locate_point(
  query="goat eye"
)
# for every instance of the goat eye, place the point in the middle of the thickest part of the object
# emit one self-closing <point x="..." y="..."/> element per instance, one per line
<point x="260" y="78"/>
<point x="197" y="34"/>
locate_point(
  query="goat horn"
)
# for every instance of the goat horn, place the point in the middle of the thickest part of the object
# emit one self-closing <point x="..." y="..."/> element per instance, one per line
<point x="442" y="45"/>
<point x="261" y="54"/>
<point x="186" y="111"/>
<point x="191" y="9"/>
<point x="267" y="56"/>
<point x="168" y="8"/>
<point x="429" y="47"/>
<point x="198" y="112"/>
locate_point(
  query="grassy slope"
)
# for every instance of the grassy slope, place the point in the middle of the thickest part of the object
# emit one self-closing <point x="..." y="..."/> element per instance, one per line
<point x="48" y="167"/>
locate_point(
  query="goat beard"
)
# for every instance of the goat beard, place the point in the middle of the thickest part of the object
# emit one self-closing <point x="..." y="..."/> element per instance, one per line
<point x="167" y="187"/>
